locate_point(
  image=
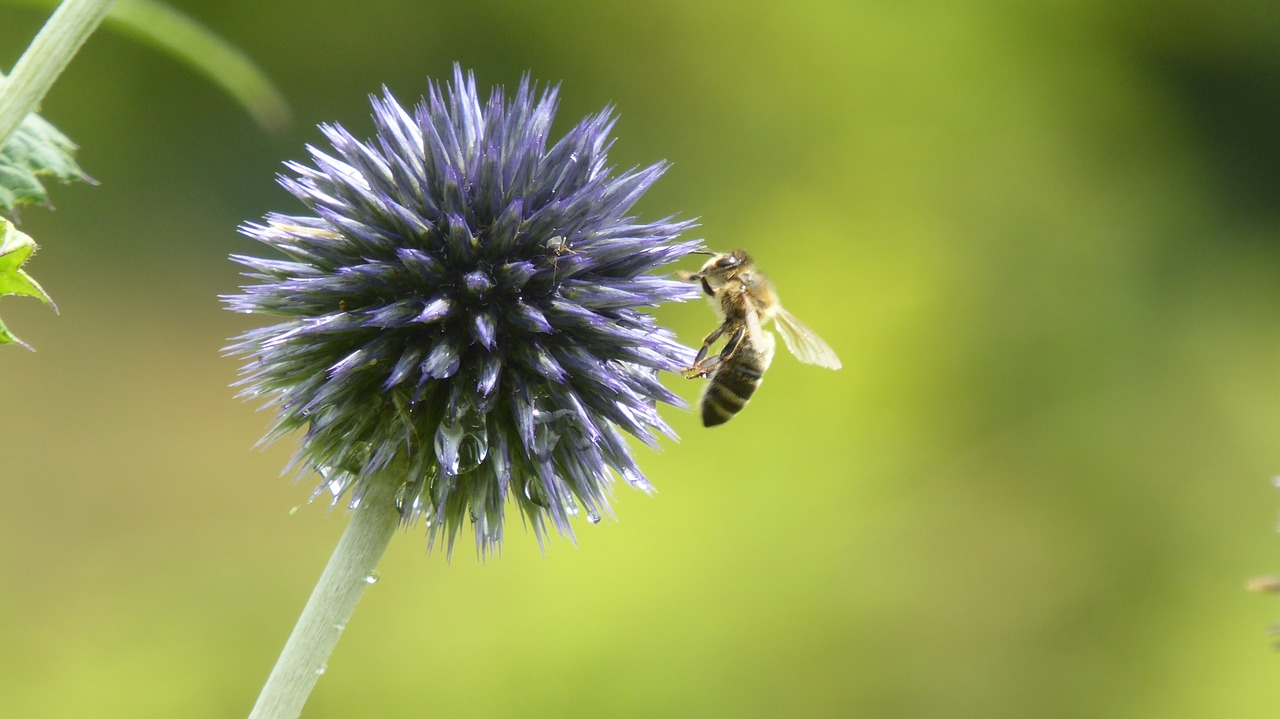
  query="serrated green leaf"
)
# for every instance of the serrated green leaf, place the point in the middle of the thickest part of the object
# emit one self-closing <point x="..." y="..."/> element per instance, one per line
<point x="15" y="249"/>
<point x="35" y="150"/>
<point x="8" y="338"/>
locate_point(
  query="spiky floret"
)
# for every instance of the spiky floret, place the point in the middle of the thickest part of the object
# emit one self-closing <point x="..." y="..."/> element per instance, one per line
<point x="465" y="312"/>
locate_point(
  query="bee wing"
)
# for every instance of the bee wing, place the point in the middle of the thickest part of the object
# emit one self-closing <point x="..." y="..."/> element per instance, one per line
<point x="755" y="333"/>
<point x="804" y="343"/>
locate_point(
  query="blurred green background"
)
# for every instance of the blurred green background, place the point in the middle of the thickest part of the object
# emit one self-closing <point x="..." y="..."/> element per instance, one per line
<point x="1044" y="238"/>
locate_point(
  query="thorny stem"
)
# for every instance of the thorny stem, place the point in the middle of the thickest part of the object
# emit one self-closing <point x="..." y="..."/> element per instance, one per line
<point x="47" y="56"/>
<point x="331" y="604"/>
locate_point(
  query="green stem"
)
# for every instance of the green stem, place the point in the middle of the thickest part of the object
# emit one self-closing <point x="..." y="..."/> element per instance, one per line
<point x="47" y="56"/>
<point x="349" y="572"/>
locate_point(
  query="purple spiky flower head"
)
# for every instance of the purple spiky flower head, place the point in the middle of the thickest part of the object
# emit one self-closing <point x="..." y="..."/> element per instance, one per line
<point x="464" y="312"/>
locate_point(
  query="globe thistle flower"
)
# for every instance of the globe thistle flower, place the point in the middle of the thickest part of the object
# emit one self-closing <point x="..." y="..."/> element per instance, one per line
<point x="464" y="312"/>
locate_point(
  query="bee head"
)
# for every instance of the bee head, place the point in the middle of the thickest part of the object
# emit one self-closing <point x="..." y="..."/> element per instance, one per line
<point x="725" y="263"/>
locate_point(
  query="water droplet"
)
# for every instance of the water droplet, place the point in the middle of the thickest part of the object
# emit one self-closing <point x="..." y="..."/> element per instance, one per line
<point x="571" y="506"/>
<point x="477" y="283"/>
<point x="542" y="415"/>
<point x="372" y="577"/>
<point x="637" y="480"/>
<point x="475" y="447"/>
<point x="545" y="440"/>
<point x="533" y="492"/>
<point x="547" y="430"/>
<point x="593" y="516"/>
<point x="461" y="444"/>
<point x="448" y="445"/>
<point x="340" y="626"/>
<point x="335" y="480"/>
<point x="320" y="670"/>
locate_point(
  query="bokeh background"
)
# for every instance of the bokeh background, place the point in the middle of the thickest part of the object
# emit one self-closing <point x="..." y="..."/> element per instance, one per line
<point x="1044" y="238"/>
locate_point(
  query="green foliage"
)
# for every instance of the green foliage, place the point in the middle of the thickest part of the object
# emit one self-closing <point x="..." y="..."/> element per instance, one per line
<point x="15" y="248"/>
<point x="35" y="150"/>
<point x="190" y="43"/>
<point x="162" y="27"/>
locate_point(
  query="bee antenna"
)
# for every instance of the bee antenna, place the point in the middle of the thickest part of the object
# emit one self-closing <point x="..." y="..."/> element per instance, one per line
<point x="701" y="252"/>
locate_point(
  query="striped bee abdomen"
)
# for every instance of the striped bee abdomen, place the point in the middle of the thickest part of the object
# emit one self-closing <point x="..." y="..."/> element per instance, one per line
<point x="733" y="382"/>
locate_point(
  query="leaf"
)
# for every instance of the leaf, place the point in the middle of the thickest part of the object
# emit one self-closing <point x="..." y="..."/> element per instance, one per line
<point x="182" y="38"/>
<point x="15" y="249"/>
<point x="200" y="49"/>
<point x="34" y="150"/>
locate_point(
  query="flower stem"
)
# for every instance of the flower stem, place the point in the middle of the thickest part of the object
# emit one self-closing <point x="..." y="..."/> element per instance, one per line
<point x="47" y="56"/>
<point x="349" y="572"/>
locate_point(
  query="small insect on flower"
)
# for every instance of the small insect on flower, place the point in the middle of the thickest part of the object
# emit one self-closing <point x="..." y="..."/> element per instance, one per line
<point x="559" y="247"/>
<point x="440" y="334"/>
<point x="745" y="301"/>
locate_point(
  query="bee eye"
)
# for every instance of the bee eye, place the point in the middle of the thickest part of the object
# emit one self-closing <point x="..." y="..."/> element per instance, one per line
<point x="727" y="261"/>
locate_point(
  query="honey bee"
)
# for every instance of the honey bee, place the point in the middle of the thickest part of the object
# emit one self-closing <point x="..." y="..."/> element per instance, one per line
<point x="745" y="301"/>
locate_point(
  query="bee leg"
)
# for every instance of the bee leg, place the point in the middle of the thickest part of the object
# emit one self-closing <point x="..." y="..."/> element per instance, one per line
<point x="700" y="278"/>
<point x="708" y="341"/>
<point x="698" y="368"/>
<point x="703" y="368"/>
<point x="732" y="344"/>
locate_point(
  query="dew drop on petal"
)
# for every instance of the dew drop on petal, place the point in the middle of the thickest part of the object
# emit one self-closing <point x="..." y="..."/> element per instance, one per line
<point x="449" y="445"/>
<point x="372" y="577"/>
<point x="545" y="440"/>
<point x="637" y="480"/>
<point x="320" y="670"/>
<point x="475" y="445"/>
<point x="533" y="492"/>
<point x="593" y="516"/>
<point x="546" y="436"/>
<point x="335" y="480"/>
